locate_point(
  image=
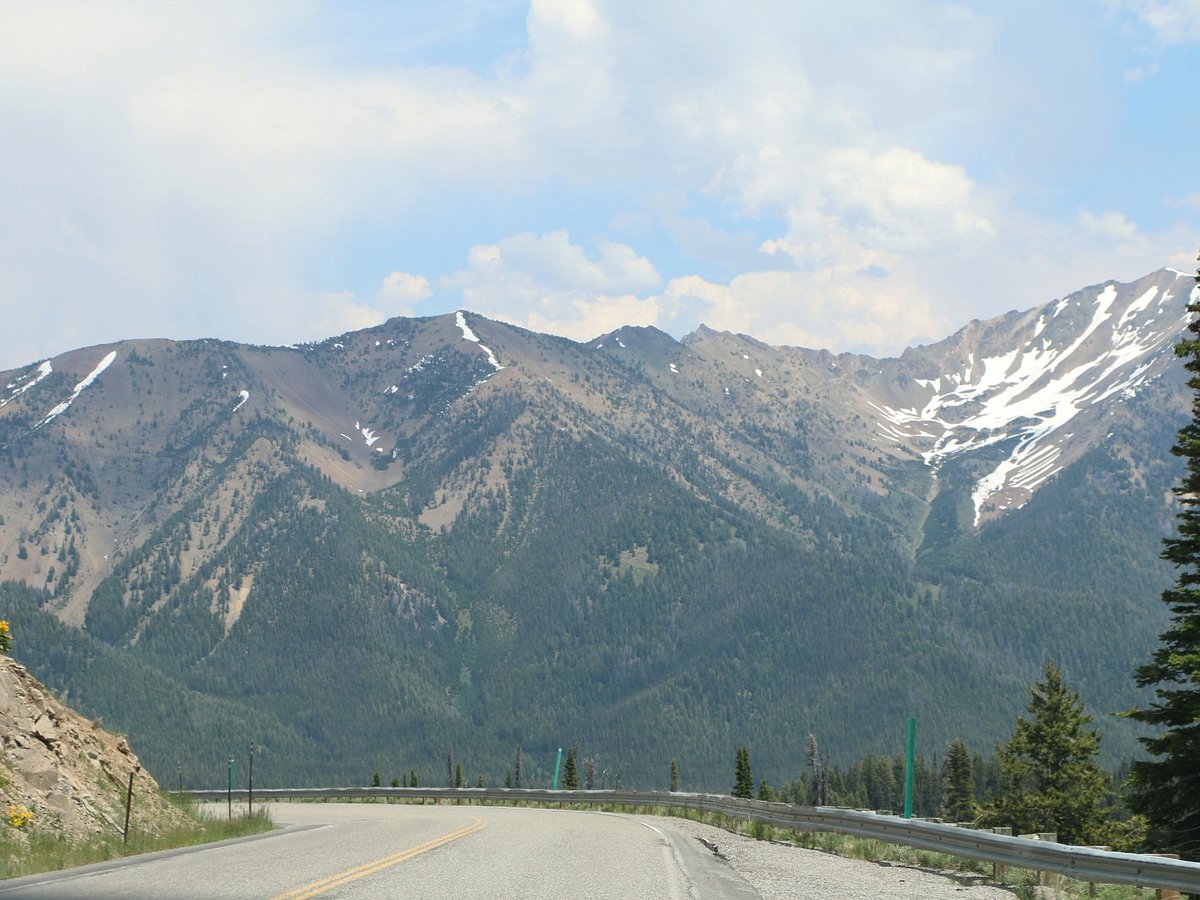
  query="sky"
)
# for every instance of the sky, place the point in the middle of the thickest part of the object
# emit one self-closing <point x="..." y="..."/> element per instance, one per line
<point x="855" y="176"/>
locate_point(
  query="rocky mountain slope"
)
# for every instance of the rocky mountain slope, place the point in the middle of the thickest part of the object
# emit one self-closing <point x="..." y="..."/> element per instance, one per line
<point x="68" y="772"/>
<point x="656" y="547"/>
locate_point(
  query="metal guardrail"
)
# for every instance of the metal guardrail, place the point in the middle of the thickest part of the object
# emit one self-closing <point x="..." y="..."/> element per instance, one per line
<point x="1082" y="863"/>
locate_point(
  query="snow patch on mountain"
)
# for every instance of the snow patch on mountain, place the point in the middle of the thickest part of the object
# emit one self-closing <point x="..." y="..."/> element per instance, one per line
<point x="18" y="389"/>
<point x="79" y="389"/>
<point x="244" y="396"/>
<point x="468" y="334"/>
<point x="1027" y="395"/>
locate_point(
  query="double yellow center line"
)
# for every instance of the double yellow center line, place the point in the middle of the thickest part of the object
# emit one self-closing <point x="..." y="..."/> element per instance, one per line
<point x="334" y="881"/>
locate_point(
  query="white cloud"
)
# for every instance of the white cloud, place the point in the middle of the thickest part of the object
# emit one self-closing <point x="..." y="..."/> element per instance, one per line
<point x="1112" y="225"/>
<point x="1171" y="21"/>
<point x="400" y="292"/>
<point x="547" y="283"/>
<point x="338" y="313"/>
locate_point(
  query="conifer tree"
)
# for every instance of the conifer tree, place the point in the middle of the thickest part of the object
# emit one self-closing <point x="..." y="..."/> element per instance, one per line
<point x="819" y="787"/>
<point x="517" y="770"/>
<point x="412" y="778"/>
<point x="1050" y="780"/>
<point x="458" y="779"/>
<point x="570" y="772"/>
<point x="375" y="782"/>
<point x="1167" y="788"/>
<point x="674" y="777"/>
<point x="743" y="781"/>
<point x="958" y="784"/>
<point x="764" y="791"/>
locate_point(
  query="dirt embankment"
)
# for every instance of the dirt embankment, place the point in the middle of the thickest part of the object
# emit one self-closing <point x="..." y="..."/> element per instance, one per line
<point x="71" y="774"/>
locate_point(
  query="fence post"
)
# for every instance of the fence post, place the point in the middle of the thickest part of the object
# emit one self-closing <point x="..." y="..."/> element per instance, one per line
<point x="128" y="806"/>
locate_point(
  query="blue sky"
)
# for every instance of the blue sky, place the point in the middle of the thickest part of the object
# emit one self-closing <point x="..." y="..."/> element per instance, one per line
<point x="857" y="176"/>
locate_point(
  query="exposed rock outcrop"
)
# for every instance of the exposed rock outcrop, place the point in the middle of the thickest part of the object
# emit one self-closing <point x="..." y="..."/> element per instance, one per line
<point x="71" y="774"/>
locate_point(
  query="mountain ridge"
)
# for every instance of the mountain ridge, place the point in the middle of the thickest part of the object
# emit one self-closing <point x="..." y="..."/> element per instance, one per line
<point x="651" y="524"/>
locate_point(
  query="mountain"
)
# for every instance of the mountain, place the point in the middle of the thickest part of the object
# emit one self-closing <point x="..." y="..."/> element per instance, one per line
<point x="453" y="532"/>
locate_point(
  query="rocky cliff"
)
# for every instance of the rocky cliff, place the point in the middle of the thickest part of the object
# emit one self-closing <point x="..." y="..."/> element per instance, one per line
<point x="69" y="773"/>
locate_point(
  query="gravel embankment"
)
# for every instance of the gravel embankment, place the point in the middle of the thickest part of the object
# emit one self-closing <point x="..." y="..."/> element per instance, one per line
<point x="784" y="872"/>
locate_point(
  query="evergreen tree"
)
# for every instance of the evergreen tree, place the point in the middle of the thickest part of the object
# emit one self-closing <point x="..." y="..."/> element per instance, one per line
<point x="743" y="781"/>
<point x="819" y="786"/>
<point x="450" y="767"/>
<point x="412" y="778"/>
<point x="958" y="784"/>
<point x="458" y="779"/>
<point x="517" y="770"/>
<point x="479" y="781"/>
<point x="674" y="777"/>
<point x="1167" y="788"/>
<point x="375" y="782"/>
<point x="395" y="782"/>
<point x="570" y="780"/>
<point x="1050" y="778"/>
<point x="508" y="782"/>
<point x="764" y="791"/>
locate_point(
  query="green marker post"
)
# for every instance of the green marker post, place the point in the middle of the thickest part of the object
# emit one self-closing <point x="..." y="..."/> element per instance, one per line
<point x="909" y="765"/>
<point x="557" y="768"/>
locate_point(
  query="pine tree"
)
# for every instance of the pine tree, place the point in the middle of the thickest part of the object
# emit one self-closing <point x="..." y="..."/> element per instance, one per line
<point x="450" y="767"/>
<point x="764" y="791"/>
<point x="958" y="784"/>
<point x="1050" y="778"/>
<point x="412" y="778"/>
<point x="570" y="772"/>
<point x="517" y="770"/>
<point x="819" y="787"/>
<point x="375" y="782"/>
<point x="743" y="781"/>
<point x="508" y="782"/>
<point x="458" y="779"/>
<point x="674" y="777"/>
<point x="1167" y="788"/>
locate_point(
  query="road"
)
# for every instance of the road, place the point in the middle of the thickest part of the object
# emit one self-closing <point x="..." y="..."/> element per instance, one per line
<point x="377" y="851"/>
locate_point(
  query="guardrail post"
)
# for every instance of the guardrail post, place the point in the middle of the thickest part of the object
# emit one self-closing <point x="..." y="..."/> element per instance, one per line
<point x="999" y="870"/>
<point x="1164" y="893"/>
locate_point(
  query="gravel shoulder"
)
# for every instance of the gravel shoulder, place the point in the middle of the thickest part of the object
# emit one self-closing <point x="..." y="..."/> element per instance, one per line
<point x="783" y="872"/>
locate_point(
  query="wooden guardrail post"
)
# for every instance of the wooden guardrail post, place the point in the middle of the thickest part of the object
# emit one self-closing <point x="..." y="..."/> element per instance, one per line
<point x="1165" y="893"/>
<point x="999" y="870"/>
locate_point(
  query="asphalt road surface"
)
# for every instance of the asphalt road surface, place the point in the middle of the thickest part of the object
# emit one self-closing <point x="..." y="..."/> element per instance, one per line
<point x="332" y="850"/>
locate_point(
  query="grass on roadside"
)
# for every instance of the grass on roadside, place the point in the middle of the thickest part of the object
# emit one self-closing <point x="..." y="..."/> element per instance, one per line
<point x="51" y="852"/>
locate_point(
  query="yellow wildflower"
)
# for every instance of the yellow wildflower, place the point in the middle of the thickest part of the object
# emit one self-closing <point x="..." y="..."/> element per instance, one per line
<point x="5" y="636"/>
<point x="19" y="816"/>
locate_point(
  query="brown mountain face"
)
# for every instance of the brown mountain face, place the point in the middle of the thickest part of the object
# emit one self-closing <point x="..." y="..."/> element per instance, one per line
<point x="451" y="530"/>
<point x="102" y="446"/>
